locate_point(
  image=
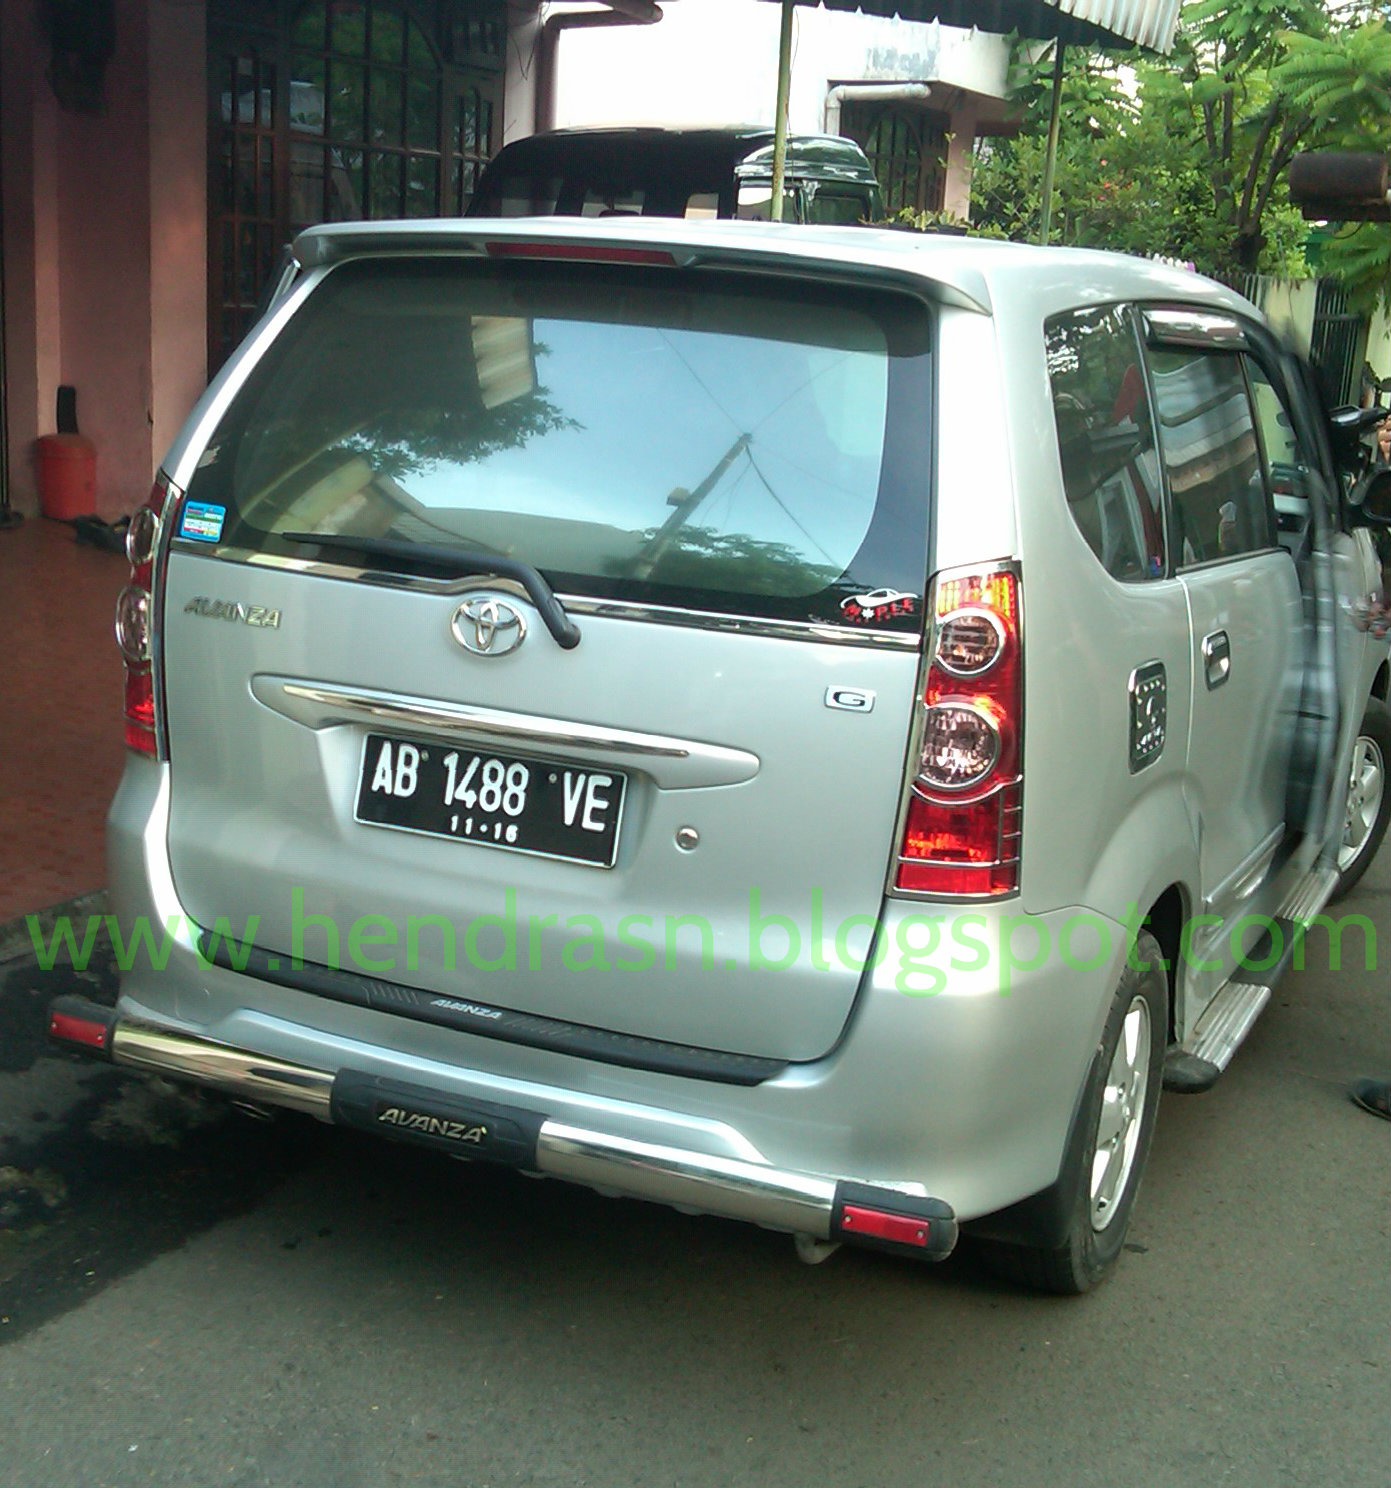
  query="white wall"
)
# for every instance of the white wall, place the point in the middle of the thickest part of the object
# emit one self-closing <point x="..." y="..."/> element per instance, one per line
<point x="1379" y="343"/>
<point x="715" y="62"/>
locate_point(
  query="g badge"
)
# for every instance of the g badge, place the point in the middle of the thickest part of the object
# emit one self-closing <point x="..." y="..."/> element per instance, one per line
<point x="850" y="699"/>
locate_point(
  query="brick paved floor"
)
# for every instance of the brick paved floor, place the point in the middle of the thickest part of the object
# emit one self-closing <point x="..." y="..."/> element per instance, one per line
<point x="60" y="713"/>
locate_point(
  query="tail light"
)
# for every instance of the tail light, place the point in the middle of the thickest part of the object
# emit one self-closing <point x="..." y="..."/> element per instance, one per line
<point x="135" y="613"/>
<point x="961" y="818"/>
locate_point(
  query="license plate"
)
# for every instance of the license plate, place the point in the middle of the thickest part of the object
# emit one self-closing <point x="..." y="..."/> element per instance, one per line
<point x="497" y="800"/>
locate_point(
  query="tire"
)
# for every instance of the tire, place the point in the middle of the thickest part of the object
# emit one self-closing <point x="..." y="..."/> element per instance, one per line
<point x="1098" y="1195"/>
<point x="1369" y="801"/>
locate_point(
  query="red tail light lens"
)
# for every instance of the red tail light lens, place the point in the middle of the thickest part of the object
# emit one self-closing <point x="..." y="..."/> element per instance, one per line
<point x="134" y="609"/>
<point x="140" y="710"/>
<point x="961" y="827"/>
<point x="582" y="252"/>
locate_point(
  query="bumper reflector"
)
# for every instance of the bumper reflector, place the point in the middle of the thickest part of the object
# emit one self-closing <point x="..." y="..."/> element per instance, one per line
<point x="900" y="1228"/>
<point x="79" y="1021"/>
<point x="884" y="1219"/>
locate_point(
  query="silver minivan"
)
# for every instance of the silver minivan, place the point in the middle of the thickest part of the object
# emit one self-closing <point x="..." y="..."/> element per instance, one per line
<point x="810" y="725"/>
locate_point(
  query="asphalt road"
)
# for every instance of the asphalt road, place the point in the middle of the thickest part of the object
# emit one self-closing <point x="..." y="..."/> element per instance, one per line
<point x="192" y="1298"/>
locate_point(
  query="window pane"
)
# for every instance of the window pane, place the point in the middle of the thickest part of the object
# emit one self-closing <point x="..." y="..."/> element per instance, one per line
<point x="246" y="264"/>
<point x="625" y="202"/>
<point x="1209" y="444"/>
<point x="246" y="175"/>
<point x="1106" y="440"/>
<point x="384" y="173"/>
<point x="423" y="113"/>
<point x="228" y="174"/>
<point x="344" y="185"/>
<point x="388" y="36"/>
<point x="756" y="204"/>
<point x="307" y="177"/>
<point x="837" y="207"/>
<point x="387" y="95"/>
<point x="1286" y="470"/>
<point x="266" y="117"/>
<point x="308" y="28"/>
<point x="345" y="102"/>
<point x="422" y="186"/>
<point x="736" y="453"/>
<point x="307" y="95"/>
<point x="349" y="34"/>
<point x="419" y="57"/>
<point x="267" y="189"/>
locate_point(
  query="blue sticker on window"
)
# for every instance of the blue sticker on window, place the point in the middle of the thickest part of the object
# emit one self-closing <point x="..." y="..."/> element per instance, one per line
<point x="202" y="521"/>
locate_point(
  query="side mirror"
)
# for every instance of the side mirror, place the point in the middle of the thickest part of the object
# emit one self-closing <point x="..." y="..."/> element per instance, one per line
<point x="1347" y="431"/>
<point x="1369" y="501"/>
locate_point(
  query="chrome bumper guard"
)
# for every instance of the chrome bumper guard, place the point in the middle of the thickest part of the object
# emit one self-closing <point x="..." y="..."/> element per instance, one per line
<point x="812" y="1204"/>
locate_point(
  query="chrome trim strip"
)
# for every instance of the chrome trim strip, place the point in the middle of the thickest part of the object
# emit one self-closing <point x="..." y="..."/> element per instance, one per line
<point x="575" y="604"/>
<point x="800" y="1202"/>
<point x="238" y="1071"/>
<point x="673" y="763"/>
<point x="786" y="630"/>
<point x="1188" y="327"/>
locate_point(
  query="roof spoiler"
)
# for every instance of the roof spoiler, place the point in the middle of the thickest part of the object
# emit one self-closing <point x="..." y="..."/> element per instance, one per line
<point x="795" y="249"/>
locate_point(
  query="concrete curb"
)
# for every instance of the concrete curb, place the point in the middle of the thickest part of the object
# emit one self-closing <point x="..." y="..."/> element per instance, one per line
<point x="15" y="938"/>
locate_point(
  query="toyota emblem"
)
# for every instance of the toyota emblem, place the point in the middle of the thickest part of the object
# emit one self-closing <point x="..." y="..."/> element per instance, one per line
<point x="488" y="626"/>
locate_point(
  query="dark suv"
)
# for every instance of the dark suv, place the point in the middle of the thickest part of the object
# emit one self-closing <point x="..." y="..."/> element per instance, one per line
<point x="654" y="172"/>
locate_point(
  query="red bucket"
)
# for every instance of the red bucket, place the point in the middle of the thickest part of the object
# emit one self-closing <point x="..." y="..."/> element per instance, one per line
<point x="67" y="471"/>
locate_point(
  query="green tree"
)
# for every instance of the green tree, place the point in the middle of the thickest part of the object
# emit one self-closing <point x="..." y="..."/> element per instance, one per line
<point x="1188" y="158"/>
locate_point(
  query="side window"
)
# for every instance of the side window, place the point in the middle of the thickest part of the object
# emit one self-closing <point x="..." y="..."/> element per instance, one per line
<point x="1285" y="467"/>
<point x="1208" y="438"/>
<point x="840" y="207"/>
<point x="612" y="201"/>
<point x="756" y="203"/>
<point x="1106" y="439"/>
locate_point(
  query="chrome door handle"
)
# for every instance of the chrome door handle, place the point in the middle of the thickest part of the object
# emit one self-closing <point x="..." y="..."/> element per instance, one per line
<point x="1217" y="658"/>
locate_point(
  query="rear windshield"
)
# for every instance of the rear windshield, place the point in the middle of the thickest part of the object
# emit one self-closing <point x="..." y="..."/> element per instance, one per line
<point x="724" y="443"/>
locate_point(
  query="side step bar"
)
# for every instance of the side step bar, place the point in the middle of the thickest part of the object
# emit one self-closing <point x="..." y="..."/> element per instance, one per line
<point x="825" y="1208"/>
<point x="1197" y="1063"/>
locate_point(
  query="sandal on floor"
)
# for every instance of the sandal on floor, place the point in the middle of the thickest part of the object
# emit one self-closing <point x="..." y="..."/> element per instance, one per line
<point x="1373" y="1096"/>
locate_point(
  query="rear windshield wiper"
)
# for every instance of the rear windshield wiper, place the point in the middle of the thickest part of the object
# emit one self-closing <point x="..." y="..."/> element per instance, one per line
<point x="458" y="562"/>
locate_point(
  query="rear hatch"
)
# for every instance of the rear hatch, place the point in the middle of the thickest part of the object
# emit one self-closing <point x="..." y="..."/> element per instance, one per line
<point x="384" y="758"/>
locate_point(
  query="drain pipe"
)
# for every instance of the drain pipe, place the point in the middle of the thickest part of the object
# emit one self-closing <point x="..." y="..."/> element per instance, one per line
<point x="845" y="93"/>
<point x="619" y="13"/>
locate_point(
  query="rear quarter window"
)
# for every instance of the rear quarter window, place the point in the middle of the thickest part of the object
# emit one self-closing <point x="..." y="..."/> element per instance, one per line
<point x="1106" y="439"/>
<point x="700" y="440"/>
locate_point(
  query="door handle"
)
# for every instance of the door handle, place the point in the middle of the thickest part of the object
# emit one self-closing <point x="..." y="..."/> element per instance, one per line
<point x="1217" y="658"/>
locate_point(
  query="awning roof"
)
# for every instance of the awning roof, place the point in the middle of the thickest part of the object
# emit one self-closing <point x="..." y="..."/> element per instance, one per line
<point x="1098" y="23"/>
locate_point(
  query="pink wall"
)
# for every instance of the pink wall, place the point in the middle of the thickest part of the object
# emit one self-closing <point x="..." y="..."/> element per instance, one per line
<point x="178" y="218"/>
<point x="104" y="263"/>
<point x="19" y="126"/>
<point x="105" y="245"/>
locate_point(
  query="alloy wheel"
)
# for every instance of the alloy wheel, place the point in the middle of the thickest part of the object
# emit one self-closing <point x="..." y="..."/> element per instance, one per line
<point x="1122" y="1115"/>
<point x="1366" y="786"/>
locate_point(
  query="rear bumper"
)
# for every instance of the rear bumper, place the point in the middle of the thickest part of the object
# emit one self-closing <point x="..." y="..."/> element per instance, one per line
<point x="963" y="1090"/>
<point x="822" y="1206"/>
